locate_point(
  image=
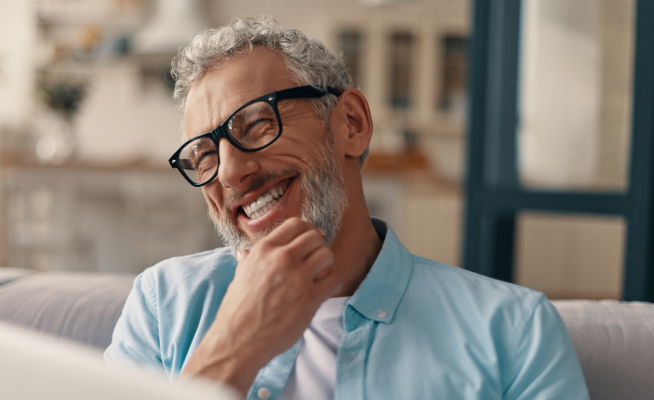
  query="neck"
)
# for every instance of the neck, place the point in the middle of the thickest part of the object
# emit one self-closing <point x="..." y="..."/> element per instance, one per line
<point x="356" y="246"/>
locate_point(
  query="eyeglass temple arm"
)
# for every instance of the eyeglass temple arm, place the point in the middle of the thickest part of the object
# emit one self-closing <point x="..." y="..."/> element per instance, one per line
<point x="306" y="92"/>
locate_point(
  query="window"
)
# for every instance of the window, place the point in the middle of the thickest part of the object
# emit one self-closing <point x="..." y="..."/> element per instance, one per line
<point x="501" y="208"/>
<point x="452" y="96"/>
<point x="401" y="53"/>
<point x="350" y="43"/>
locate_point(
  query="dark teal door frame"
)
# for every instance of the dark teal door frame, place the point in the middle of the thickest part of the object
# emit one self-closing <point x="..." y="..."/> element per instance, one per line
<point x="493" y="193"/>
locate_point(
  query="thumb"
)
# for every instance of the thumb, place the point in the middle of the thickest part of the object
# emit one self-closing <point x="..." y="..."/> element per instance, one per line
<point x="241" y="255"/>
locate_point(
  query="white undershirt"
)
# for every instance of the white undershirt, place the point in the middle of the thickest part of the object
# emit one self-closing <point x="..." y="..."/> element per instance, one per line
<point x="314" y="372"/>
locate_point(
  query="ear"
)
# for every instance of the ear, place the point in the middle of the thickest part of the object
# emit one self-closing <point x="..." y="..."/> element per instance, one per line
<point x="355" y="123"/>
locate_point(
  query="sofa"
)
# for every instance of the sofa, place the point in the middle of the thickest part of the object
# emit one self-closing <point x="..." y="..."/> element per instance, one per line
<point x="613" y="340"/>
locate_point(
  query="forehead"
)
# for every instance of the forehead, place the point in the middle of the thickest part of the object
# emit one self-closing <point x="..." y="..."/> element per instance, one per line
<point x="222" y="90"/>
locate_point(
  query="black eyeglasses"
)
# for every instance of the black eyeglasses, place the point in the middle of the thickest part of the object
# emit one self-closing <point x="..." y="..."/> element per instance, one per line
<point x="253" y="127"/>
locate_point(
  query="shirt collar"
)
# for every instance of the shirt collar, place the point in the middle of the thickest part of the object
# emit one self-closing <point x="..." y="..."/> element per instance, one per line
<point x="380" y="292"/>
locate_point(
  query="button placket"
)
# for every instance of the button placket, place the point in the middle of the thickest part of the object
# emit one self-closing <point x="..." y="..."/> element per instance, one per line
<point x="271" y="379"/>
<point x="350" y="362"/>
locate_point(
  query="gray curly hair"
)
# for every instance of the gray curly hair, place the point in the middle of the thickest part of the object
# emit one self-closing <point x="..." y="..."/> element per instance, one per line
<point x="308" y="59"/>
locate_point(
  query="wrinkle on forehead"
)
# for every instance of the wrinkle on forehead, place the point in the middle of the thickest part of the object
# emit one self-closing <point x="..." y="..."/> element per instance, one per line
<point x="230" y="85"/>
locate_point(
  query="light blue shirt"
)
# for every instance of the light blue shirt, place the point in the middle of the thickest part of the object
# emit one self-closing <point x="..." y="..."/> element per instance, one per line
<point x="414" y="329"/>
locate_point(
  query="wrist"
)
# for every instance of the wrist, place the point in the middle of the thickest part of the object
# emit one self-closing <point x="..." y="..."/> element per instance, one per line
<point x="236" y="370"/>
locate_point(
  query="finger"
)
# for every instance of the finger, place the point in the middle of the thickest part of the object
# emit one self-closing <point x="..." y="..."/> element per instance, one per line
<point x="318" y="261"/>
<point x="305" y="244"/>
<point x="323" y="273"/>
<point x="241" y="255"/>
<point x="327" y="287"/>
<point x="287" y="231"/>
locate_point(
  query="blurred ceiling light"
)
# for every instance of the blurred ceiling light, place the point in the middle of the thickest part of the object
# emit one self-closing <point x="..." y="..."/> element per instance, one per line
<point x="174" y="23"/>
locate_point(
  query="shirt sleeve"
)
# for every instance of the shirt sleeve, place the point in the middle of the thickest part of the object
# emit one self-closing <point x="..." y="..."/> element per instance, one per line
<point x="135" y="340"/>
<point x="545" y="365"/>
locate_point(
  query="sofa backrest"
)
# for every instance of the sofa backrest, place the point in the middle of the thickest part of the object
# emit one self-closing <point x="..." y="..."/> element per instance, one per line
<point x="615" y="345"/>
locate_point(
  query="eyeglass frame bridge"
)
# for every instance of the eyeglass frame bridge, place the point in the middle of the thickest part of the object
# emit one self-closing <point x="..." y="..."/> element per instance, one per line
<point x="221" y="131"/>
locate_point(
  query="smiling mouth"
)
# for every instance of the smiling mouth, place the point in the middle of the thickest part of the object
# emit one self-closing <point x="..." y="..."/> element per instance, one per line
<point x="266" y="201"/>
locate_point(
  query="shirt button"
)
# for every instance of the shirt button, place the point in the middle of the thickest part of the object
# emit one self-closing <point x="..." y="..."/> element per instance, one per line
<point x="381" y="314"/>
<point x="263" y="393"/>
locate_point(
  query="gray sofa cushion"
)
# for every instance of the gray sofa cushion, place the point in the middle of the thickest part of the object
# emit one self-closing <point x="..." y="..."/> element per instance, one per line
<point x="76" y="306"/>
<point x="615" y="345"/>
<point x="8" y="274"/>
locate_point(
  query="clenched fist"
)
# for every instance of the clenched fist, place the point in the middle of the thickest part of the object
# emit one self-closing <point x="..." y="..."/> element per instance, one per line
<point x="277" y="289"/>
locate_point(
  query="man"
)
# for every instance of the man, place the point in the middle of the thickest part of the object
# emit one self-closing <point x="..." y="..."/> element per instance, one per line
<point x="324" y="302"/>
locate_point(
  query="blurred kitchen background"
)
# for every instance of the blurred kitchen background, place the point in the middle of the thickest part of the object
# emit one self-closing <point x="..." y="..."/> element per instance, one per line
<point x="87" y="124"/>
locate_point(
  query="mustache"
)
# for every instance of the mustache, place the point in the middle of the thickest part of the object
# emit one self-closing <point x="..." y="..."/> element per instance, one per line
<point x="257" y="183"/>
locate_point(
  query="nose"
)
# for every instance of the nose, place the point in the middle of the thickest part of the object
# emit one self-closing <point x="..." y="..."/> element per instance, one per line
<point x="236" y="167"/>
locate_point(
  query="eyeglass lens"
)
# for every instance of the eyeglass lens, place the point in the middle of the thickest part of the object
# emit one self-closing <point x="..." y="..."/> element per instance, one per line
<point x="252" y="127"/>
<point x="199" y="159"/>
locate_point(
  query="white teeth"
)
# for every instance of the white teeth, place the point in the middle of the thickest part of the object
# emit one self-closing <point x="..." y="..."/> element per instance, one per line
<point x="263" y="203"/>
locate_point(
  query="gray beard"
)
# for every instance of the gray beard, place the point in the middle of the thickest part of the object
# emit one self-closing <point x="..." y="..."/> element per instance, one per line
<point x="324" y="202"/>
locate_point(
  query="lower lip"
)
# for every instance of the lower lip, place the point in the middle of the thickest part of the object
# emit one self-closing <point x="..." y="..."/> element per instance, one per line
<point x="272" y="215"/>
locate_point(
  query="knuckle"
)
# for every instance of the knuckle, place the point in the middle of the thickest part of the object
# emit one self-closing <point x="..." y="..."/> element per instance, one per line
<point x="266" y="242"/>
<point x="314" y="234"/>
<point x="312" y="238"/>
<point x="326" y="253"/>
<point x="283" y="257"/>
<point x="296" y="280"/>
<point x="295" y="221"/>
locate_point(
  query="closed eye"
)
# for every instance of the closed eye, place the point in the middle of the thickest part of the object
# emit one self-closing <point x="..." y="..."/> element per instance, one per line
<point x="256" y="123"/>
<point x="202" y="156"/>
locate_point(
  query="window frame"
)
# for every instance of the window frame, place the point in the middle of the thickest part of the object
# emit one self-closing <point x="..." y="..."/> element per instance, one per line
<point x="494" y="196"/>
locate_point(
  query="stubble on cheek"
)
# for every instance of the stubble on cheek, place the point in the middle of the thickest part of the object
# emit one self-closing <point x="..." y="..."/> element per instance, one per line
<point x="225" y="225"/>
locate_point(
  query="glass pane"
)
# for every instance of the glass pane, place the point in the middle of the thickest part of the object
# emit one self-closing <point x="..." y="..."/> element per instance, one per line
<point x="199" y="160"/>
<point x="401" y="59"/>
<point x="570" y="256"/>
<point x="350" y="42"/>
<point x="453" y="86"/>
<point x="575" y="94"/>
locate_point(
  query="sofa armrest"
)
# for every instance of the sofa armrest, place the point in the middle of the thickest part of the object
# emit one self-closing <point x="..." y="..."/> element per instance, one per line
<point x="8" y="274"/>
<point x="82" y="307"/>
<point x="615" y="345"/>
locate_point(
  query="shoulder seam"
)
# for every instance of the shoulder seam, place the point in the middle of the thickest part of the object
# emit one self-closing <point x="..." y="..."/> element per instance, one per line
<point x="524" y="321"/>
<point x="152" y="299"/>
<point x="155" y="311"/>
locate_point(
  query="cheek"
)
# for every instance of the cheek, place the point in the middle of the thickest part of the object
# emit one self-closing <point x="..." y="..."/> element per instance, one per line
<point x="302" y="142"/>
<point x="213" y="196"/>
